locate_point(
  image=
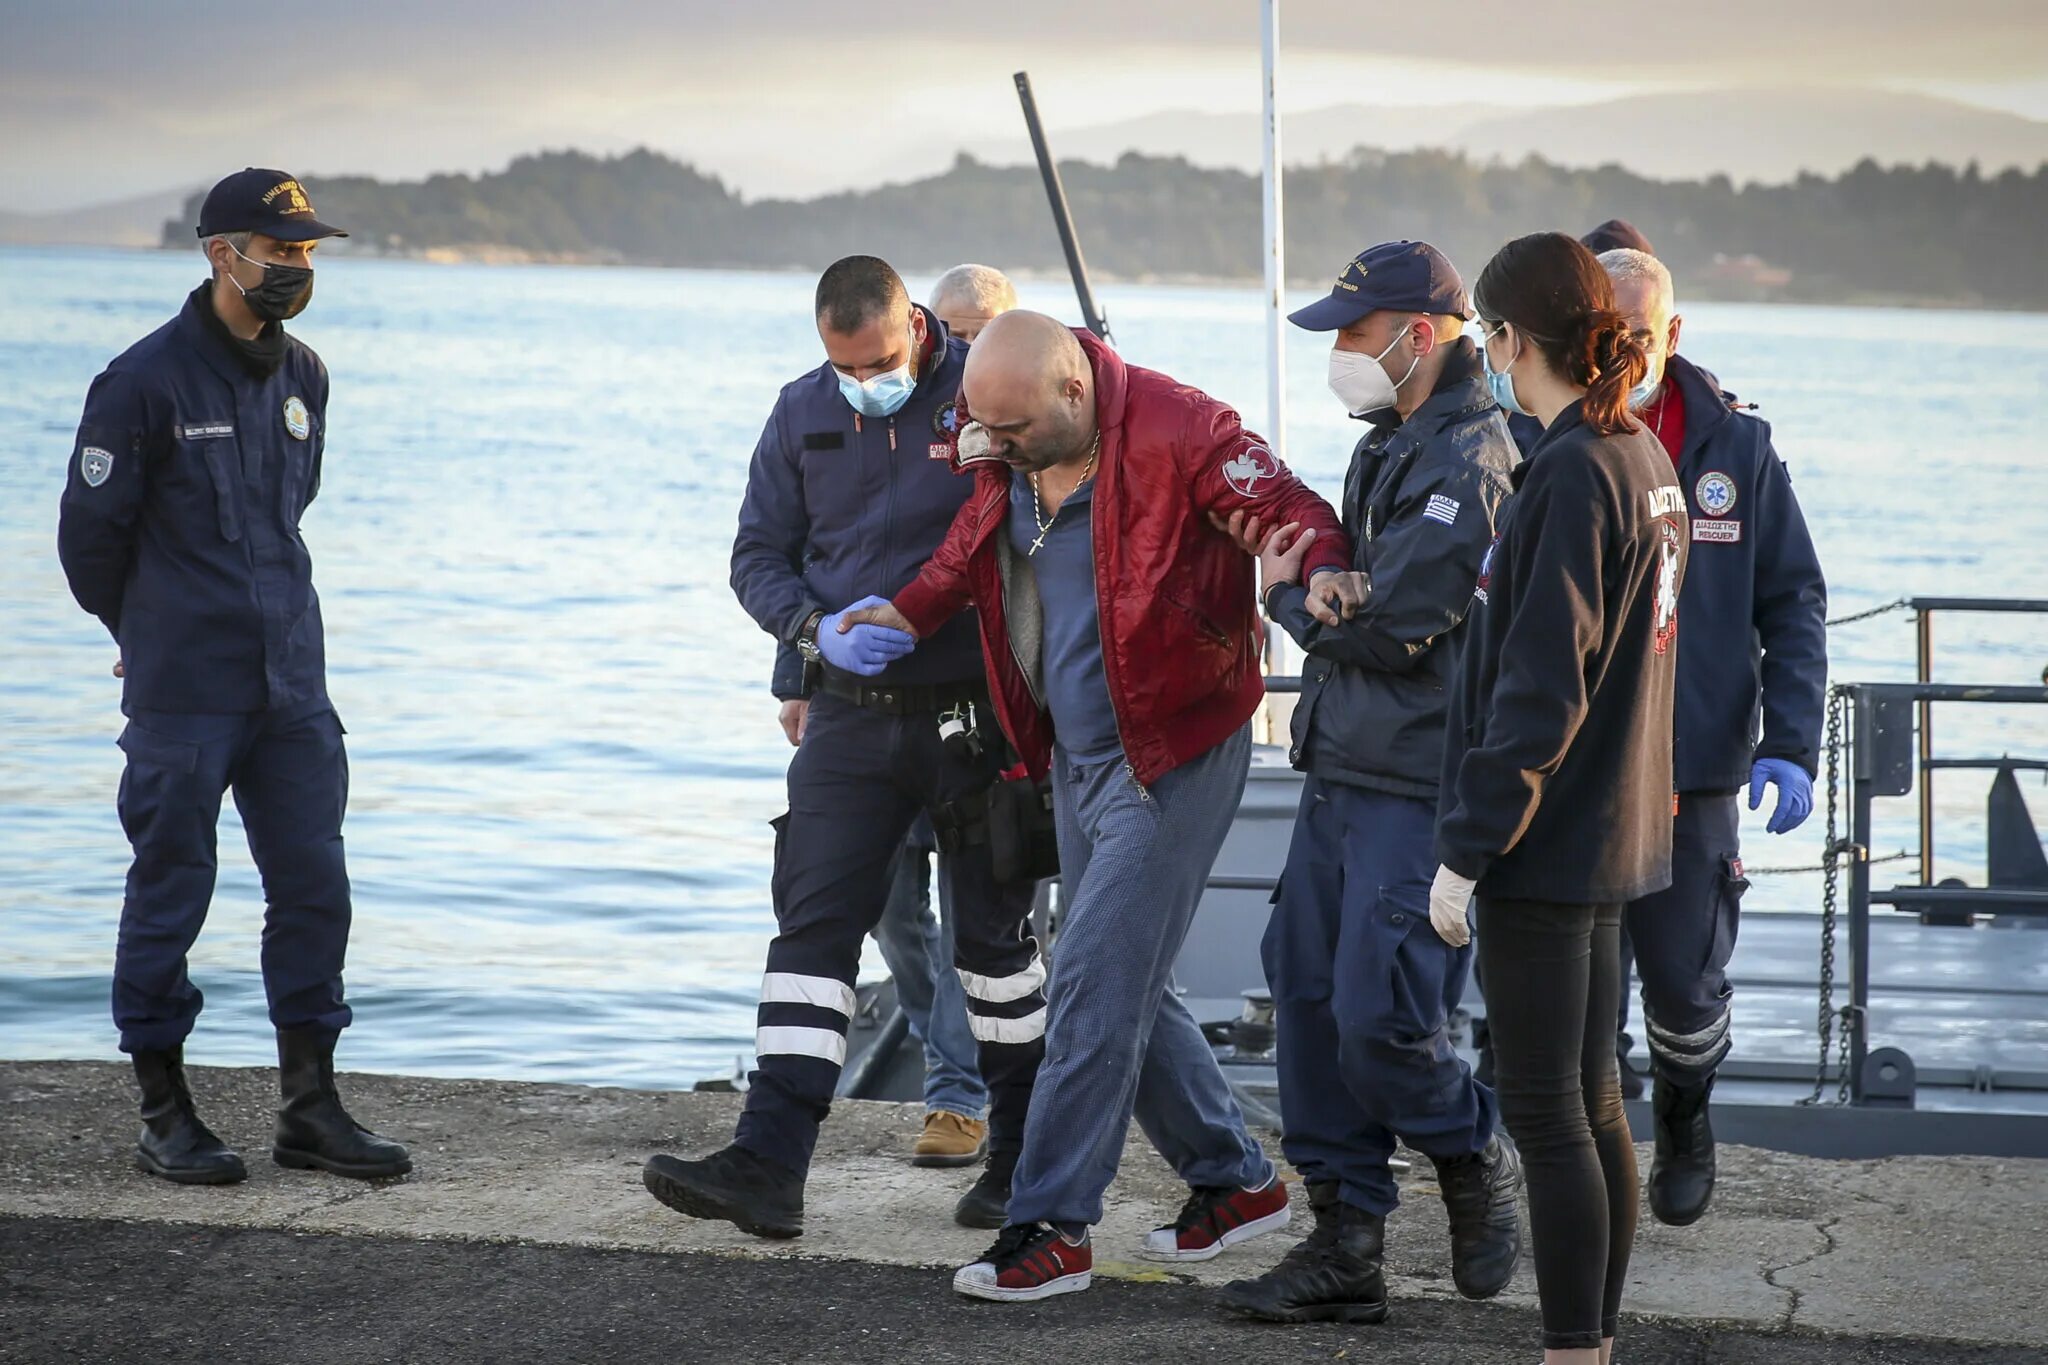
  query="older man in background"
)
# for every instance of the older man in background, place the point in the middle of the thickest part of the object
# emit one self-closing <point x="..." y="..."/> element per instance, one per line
<point x="969" y="297"/>
<point x="1752" y="680"/>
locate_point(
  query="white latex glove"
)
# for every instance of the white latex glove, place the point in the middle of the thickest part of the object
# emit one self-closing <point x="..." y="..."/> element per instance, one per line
<point x="1449" y="896"/>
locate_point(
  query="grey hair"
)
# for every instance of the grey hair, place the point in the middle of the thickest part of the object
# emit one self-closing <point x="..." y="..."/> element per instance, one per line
<point x="1626" y="263"/>
<point x="982" y="285"/>
<point x="238" y="240"/>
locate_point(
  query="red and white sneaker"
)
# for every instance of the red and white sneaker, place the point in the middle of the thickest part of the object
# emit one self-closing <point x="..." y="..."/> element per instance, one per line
<point x="1215" y="1218"/>
<point x="1029" y="1261"/>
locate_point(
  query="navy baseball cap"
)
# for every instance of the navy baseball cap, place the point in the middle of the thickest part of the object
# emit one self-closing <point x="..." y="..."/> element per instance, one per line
<point x="1614" y="234"/>
<point x="269" y="202"/>
<point x="1412" y="277"/>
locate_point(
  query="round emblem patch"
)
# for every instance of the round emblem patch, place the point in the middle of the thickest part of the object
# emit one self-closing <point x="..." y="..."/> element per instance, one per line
<point x="1715" y="494"/>
<point x="946" y="421"/>
<point x="295" y="419"/>
<point x="94" y="465"/>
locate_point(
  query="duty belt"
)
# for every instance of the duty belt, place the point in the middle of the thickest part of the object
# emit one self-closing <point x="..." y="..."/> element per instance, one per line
<point x="903" y="699"/>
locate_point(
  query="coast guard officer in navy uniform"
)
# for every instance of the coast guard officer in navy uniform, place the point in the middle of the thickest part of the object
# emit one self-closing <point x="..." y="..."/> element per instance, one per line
<point x="198" y="453"/>
<point x="1363" y="988"/>
<point x="1751" y="689"/>
<point x="851" y="490"/>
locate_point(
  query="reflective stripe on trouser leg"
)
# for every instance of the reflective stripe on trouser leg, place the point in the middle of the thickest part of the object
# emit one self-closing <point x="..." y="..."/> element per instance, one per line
<point x="1686" y="1056"/>
<point x="1684" y="936"/>
<point x="995" y="955"/>
<point x="833" y="851"/>
<point x="1006" y="1009"/>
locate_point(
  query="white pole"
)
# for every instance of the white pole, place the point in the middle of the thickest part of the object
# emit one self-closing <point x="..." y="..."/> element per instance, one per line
<point x="1276" y="248"/>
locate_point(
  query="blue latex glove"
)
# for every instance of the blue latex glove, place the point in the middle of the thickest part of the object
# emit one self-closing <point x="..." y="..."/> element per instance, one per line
<point x="1795" y="793"/>
<point x="865" y="649"/>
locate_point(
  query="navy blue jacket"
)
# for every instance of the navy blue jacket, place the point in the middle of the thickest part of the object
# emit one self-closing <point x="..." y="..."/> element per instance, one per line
<point x="1420" y="503"/>
<point x="841" y="507"/>
<point x="1753" y="657"/>
<point x="1558" y="738"/>
<point x="1753" y="651"/>
<point x="179" y="526"/>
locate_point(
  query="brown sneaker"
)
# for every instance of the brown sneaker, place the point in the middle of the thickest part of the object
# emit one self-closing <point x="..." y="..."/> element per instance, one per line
<point x="950" y="1139"/>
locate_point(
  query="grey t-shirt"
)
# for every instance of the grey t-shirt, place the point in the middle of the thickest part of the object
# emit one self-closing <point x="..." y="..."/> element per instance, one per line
<point x="1076" y="690"/>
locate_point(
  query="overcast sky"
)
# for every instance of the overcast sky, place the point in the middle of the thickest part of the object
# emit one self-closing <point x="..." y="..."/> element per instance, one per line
<point x="101" y="100"/>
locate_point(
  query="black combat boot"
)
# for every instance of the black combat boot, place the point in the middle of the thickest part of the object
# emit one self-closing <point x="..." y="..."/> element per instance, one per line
<point x="174" y="1143"/>
<point x="313" y="1131"/>
<point x="734" y="1186"/>
<point x="987" y="1204"/>
<point x="1333" y="1276"/>
<point x="1682" y="1171"/>
<point x="1483" y="1193"/>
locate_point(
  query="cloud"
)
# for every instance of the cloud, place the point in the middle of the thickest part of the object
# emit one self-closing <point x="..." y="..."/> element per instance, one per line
<point x="101" y="97"/>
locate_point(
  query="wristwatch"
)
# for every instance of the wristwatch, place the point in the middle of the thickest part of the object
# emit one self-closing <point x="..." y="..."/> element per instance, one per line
<point x="807" y="639"/>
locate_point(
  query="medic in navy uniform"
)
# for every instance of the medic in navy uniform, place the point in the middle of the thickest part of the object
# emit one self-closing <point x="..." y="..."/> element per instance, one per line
<point x="199" y="451"/>
<point x="851" y="490"/>
<point x="1751" y="688"/>
<point x="1363" y="988"/>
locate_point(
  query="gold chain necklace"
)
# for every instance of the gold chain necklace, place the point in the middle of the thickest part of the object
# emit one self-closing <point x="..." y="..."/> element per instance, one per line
<point x="1038" y="500"/>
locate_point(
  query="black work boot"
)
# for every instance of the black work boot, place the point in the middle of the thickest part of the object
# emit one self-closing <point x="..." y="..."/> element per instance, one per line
<point x="1682" y="1171"/>
<point x="987" y="1204"/>
<point x="1332" y="1276"/>
<point x="313" y="1131"/>
<point x="174" y="1143"/>
<point x="1483" y="1194"/>
<point x="732" y="1185"/>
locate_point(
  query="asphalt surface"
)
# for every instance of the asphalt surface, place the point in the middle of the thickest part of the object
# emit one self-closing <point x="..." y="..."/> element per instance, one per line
<point x="167" y="1293"/>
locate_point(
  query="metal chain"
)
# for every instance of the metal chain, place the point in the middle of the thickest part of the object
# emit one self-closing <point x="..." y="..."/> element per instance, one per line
<point x="1901" y="856"/>
<point x="1825" y="1021"/>
<point x="1896" y="604"/>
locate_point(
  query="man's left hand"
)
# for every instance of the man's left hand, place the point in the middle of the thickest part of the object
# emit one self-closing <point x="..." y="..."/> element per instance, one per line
<point x="1795" y="793"/>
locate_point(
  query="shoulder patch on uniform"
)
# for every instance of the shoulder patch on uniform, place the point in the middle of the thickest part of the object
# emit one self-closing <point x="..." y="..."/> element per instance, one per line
<point x="296" y="420"/>
<point x="1716" y="493"/>
<point x="94" y="465"/>
<point x="1251" y="466"/>
<point x="1441" y="508"/>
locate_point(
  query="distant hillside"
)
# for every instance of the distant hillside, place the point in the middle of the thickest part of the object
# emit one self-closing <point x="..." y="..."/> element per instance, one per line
<point x="137" y="221"/>
<point x="1766" y="135"/>
<point x="1929" y="234"/>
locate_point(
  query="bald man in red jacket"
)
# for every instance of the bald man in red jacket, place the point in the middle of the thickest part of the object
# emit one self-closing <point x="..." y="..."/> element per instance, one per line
<point x="1122" y="639"/>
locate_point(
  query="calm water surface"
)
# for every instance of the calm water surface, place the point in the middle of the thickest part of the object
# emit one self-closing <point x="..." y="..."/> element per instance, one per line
<point x="564" y="753"/>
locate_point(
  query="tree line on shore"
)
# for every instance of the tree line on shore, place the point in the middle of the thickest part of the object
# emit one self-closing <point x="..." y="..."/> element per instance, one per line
<point x="1930" y="234"/>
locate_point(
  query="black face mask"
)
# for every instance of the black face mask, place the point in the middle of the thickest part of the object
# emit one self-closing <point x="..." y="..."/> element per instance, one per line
<point x="284" y="291"/>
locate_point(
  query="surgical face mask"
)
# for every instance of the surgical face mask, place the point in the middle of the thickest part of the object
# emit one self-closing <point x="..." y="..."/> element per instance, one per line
<point x="1360" y="383"/>
<point x="1643" y="394"/>
<point x="881" y="395"/>
<point x="283" y="292"/>
<point x="1499" y="382"/>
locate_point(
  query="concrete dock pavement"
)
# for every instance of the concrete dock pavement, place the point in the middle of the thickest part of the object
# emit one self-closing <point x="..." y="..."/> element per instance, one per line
<point x="524" y="1234"/>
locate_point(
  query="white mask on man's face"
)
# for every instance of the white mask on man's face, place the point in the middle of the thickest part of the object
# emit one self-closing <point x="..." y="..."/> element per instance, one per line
<point x="1361" y="383"/>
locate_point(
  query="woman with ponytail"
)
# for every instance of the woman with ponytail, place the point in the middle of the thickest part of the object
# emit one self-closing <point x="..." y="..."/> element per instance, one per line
<point x="1557" y="789"/>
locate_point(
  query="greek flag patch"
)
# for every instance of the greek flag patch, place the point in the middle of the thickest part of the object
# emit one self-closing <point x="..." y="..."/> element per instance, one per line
<point x="1441" y="509"/>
